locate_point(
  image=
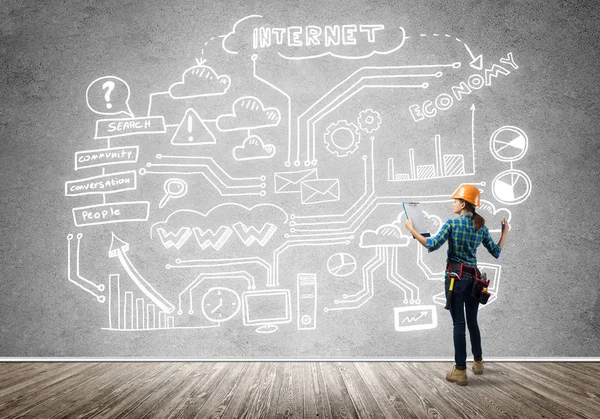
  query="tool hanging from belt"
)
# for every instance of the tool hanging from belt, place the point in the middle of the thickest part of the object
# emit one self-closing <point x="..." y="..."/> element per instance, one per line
<point x="479" y="288"/>
<point x="452" y="276"/>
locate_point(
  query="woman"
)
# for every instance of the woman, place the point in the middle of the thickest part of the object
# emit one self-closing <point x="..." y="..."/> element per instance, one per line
<point x="464" y="234"/>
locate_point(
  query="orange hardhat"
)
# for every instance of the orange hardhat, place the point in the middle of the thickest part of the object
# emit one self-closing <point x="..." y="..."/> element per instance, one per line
<point x="468" y="193"/>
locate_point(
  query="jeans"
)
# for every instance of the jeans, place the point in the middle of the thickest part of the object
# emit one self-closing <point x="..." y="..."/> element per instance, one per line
<point x="463" y="302"/>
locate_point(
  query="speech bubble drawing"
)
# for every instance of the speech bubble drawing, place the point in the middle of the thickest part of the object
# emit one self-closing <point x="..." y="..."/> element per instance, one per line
<point x="109" y="95"/>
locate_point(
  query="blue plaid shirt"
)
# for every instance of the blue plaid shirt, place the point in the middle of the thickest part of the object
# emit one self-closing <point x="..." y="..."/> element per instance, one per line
<point x="463" y="240"/>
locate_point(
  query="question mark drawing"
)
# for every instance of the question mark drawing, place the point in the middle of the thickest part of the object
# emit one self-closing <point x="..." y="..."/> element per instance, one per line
<point x="109" y="95"/>
<point x="109" y="86"/>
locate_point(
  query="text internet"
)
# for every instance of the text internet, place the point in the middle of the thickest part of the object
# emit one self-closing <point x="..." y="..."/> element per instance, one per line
<point x="298" y="36"/>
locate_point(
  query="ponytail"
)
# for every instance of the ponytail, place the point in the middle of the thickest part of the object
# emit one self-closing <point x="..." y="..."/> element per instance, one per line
<point x="478" y="220"/>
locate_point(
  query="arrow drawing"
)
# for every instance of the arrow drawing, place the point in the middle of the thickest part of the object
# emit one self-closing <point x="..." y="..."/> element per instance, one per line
<point x="119" y="249"/>
<point x="476" y="62"/>
<point x="430" y="322"/>
<point x="414" y="319"/>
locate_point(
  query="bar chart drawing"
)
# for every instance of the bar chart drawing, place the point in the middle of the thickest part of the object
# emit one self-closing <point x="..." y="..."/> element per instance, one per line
<point x="445" y="165"/>
<point x="129" y="311"/>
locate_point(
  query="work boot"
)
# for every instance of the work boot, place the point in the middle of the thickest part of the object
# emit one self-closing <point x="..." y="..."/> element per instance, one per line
<point x="478" y="367"/>
<point x="457" y="376"/>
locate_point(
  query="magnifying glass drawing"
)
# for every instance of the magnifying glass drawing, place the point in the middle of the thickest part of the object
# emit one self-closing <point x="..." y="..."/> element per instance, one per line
<point x="174" y="188"/>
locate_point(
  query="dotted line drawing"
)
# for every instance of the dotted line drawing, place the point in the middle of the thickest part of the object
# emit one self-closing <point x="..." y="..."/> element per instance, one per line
<point x="476" y="62"/>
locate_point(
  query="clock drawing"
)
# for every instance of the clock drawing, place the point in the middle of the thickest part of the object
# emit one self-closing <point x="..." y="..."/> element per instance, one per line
<point x="220" y="304"/>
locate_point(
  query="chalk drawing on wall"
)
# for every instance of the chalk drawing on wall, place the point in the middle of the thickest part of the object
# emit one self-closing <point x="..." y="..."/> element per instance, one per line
<point x="512" y="186"/>
<point x="306" y="301"/>
<point x="509" y="144"/>
<point x="200" y="81"/>
<point x="192" y="131"/>
<point x="253" y="148"/>
<point x="75" y="277"/>
<point x="174" y="189"/>
<point x="109" y="95"/>
<point x="341" y="264"/>
<point x="210" y="170"/>
<point x="422" y="317"/>
<point x="220" y="304"/>
<point x="445" y="165"/>
<point x="248" y="112"/>
<point x="246" y="174"/>
<point x="267" y="309"/>
<point x="369" y="120"/>
<point x="342" y="138"/>
<point x="130" y="310"/>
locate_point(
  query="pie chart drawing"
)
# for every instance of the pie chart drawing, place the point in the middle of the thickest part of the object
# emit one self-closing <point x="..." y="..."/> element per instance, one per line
<point x="341" y="264"/>
<point x="511" y="187"/>
<point x="508" y="143"/>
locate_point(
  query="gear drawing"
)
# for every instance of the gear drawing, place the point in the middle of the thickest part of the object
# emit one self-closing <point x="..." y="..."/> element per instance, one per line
<point x="369" y="120"/>
<point x="342" y="138"/>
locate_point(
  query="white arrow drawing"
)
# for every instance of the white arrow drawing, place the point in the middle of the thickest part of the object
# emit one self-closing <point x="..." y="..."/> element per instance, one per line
<point x="404" y="313"/>
<point x="476" y="62"/>
<point x="119" y="249"/>
<point x="414" y="319"/>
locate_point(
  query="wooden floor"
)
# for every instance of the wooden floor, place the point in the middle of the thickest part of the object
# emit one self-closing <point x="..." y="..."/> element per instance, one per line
<point x="296" y="389"/>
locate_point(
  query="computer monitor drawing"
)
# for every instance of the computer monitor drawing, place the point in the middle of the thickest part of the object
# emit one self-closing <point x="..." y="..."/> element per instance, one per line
<point x="266" y="309"/>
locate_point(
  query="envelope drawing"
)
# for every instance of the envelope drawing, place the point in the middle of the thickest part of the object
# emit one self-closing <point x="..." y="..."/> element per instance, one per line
<point x="290" y="182"/>
<point x="320" y="190"/>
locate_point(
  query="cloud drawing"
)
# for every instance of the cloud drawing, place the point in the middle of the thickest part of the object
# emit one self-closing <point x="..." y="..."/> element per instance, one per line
<point x="200" y="81"/>
<point x="253" y="148"/>
<point x="248" y="112"/>
<point x="387" y="235"/>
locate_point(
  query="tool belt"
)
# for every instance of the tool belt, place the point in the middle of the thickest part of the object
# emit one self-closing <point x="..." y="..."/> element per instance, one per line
<point x="479" y="288"/>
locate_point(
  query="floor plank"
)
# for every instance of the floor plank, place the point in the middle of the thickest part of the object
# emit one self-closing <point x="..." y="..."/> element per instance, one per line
<point x="340" y="401"/>
<point x="222" y="395"/>
<point x="248" y="385"/>
<point x="524" y="392"/>
<point x="46" y="390"/>
<point x="291" y="394"/>
<point x="260" y="402"/>
<point x="174" y="402"/>
<point x="416" y="400"/>
<point x="202" y="391"/>
<point x="389" y="399"/>
<point x="364" y="402"/>
<point x="160" y="395"/>
<point x="296" y="390"/>
<point x="316" y="403"/>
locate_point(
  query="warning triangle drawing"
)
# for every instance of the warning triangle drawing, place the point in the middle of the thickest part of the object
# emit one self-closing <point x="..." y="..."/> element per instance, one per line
<point x="192" y="131"/>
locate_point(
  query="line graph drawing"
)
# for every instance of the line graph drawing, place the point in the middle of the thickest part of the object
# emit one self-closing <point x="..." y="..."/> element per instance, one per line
<point x="407" y="319"/>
